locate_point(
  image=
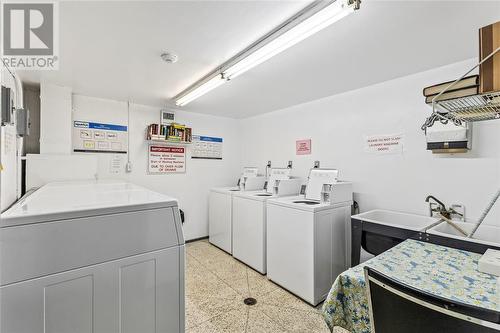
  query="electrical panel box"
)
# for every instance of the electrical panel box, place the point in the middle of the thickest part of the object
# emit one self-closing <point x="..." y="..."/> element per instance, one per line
<point x="6" y="106"/>
<point x="22" y="122"/>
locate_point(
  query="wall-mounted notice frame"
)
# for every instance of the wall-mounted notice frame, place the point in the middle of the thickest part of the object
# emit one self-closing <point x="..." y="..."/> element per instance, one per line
<point x="166" y="159"/>
<point x="89" y="137"/>
<point x="303" y="147"/>
<point x="206" y="147"/>
<point x="385" y="144"/>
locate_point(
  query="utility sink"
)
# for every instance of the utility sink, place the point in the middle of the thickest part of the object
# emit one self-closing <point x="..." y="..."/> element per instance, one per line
<point x="378" y="230"/>
<point x="397" y="219"/>
<point x="485" y="234"/>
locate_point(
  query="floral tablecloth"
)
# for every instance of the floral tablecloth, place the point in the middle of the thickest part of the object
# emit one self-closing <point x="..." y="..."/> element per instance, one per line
<point x="439" y="270"/>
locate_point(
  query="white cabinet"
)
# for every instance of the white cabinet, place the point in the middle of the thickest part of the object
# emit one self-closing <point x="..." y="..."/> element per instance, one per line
<point x="138" y="294"/>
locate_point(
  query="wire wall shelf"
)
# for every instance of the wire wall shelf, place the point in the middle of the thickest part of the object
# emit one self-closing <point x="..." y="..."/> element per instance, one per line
<point x="471" y="108"/>
<point x="465" y="109"/>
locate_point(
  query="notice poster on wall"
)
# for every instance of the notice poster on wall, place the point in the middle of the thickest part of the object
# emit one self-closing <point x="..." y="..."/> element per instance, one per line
<point x="303" y="147"/>
<point x="166" y="159"/>
<point x="90" y="137"/>
<point x="385" y="144"/>
<point x="206" y="147"/>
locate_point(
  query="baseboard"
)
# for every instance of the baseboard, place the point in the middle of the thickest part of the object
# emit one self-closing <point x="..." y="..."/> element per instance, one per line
<point x="196" y="239"/>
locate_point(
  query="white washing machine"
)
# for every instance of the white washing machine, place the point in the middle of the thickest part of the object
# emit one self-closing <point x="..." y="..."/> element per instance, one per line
<point x="306" y="238"/>
<point x="220" y="216"/>
<point x="249" y="218"/>
<point x="220" y="211"/>
<point x="92" y="256"/>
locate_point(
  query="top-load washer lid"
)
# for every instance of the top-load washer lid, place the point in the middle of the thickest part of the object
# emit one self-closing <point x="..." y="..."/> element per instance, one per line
<point x="318" y="177"/>
<point x="225" y="190"/>
<point x="307" y="202"/>
<point x="65" y="200"/>
<point x="250" y="172"/>
<point x="277" y="174"/>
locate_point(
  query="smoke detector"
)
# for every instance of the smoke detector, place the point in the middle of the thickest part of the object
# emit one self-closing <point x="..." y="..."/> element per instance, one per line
<point x="169" y="58"/>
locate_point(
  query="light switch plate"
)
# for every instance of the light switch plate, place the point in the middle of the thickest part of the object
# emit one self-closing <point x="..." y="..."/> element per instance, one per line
<point x="490" y="262"/>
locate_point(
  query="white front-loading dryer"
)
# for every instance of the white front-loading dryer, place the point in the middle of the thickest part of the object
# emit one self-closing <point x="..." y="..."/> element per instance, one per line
<point x="92" y="256"/>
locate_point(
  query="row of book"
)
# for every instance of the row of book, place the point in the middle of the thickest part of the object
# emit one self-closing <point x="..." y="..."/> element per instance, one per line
<point x="468" y="86"/>
<point x="170" y="132"/>
<point x="488" y="79"/>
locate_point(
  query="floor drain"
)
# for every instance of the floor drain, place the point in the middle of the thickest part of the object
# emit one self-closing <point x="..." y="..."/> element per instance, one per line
<point x="250" y="301"/>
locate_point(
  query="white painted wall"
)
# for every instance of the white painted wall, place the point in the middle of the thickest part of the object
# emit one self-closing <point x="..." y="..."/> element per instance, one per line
<point x="191" y="188"/>
<point x="338" y="124"/>
<point x="55" y="121"/>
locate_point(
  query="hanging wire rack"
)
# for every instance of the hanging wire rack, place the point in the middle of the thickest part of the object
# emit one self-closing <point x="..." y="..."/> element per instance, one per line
<point x="465" y="109"/>
<point x="472" y="108"/>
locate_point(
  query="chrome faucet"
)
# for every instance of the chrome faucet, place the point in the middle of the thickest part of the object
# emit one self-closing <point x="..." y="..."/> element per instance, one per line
<point x="437" y="206"/>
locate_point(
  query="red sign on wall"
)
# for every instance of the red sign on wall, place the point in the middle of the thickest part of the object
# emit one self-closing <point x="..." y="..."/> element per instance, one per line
<point x="166" y="159"/>
<point x="303" y="147"/>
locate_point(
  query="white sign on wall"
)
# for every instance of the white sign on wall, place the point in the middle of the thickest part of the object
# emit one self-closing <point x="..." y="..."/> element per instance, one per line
<point x="385" y="144"/>
<point x="89" y="137"/>
<point x="166" y="159"/>
<point x="115" y="164"/>
<point x="207" y="147"/>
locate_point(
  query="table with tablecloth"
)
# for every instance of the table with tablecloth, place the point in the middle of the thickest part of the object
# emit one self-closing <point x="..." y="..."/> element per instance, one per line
<point x="439" y="270"/>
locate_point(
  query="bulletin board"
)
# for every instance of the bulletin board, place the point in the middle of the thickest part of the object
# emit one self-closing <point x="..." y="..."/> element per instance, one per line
<point x="90" y="137"/>
<point x="166" y="159"/>
<point x="207" y="147"/>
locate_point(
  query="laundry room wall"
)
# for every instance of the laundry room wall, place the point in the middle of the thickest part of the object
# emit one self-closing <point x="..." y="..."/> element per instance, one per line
<point x="190" y="188"/>
<point x="339" y="124"/>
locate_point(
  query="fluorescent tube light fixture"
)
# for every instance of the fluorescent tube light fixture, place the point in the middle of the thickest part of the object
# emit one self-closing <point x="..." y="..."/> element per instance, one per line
<point x="201" y="90"/>
<point x="325" y="17"/>
<point x="303" y="25"/>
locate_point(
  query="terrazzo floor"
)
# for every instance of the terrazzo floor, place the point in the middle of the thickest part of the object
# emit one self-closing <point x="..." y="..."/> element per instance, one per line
<point x="217" y="284"/>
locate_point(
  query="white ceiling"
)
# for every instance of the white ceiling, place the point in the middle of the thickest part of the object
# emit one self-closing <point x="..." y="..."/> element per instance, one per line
<point x="112" y="49"/>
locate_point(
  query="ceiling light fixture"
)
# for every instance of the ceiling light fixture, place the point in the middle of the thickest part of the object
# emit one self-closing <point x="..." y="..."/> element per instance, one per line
<point x="201" y="89"/>
<point x="317" y="16"/>
<point x="327" y="16"/>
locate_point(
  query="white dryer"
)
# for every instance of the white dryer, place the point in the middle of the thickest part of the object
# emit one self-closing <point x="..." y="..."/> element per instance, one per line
<point x="220" y="208"/>
<point x="306" y="237"/>
<point x="92" y="256"/>
<point x="249" y="217"/>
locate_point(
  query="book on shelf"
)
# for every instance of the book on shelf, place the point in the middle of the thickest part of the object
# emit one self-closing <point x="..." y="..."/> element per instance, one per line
<point x="466" y="82"/>
<point x="454" y="94"/>
<point x="169" y="132"/>
<point x="489" y="71"/>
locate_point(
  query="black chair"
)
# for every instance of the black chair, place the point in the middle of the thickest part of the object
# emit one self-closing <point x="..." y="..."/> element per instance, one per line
<point x="399" y="308"/>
